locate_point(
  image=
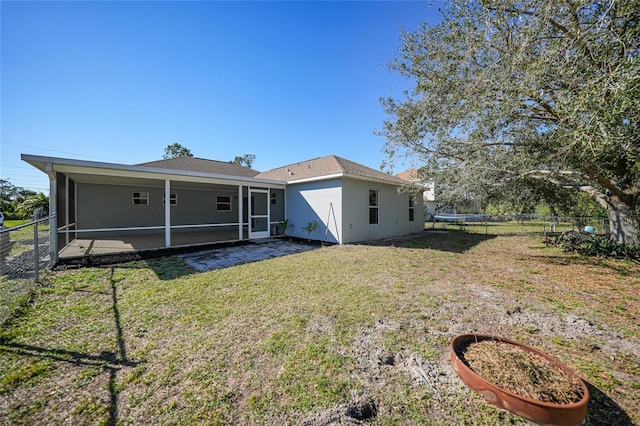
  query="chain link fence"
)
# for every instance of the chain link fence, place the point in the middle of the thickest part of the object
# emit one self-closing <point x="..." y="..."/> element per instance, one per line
<point x="518" y="223"/>
<point x="25" y="252"/>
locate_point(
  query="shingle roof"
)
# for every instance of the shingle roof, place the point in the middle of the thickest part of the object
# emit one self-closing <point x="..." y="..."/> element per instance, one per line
<point x="411" y="175"/>
<point x="330" y="165"/>
<point x="327" y="166"/>
<point x="194" y="164"/>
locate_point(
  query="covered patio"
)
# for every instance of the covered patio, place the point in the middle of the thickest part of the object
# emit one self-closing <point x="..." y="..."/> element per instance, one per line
<point x="80" y="247"/>
<point x="105" y="208"/>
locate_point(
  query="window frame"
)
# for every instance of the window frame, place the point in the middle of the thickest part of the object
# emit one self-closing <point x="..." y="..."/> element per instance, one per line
<point x="173" y="199"/>
<point x="374" y="207"/>
<point x="412" y="208"/>
<point x="223" y="203"/>
<point x="137" y="197"/>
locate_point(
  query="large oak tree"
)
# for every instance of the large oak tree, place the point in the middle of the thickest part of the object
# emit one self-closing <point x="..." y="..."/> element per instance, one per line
<point x="544" y="92"/>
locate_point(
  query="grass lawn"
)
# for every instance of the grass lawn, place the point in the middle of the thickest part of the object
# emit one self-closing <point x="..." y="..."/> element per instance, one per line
<point x="21" y="239"/>
<point x="354" y="333"/>
<point x="10" y="223"/>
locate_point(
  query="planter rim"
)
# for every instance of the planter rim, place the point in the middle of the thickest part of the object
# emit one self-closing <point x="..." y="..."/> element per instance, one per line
<point x="464" y="339"/>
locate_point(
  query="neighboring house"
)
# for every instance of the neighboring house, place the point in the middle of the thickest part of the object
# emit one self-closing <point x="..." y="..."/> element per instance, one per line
<point x="212" y="201"/>
<point x="428" y="194"/>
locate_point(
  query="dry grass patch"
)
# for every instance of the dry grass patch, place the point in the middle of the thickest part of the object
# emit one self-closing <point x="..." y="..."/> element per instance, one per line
<point x="526" y="374"/>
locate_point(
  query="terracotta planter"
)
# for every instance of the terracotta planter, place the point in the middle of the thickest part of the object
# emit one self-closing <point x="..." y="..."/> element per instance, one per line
<point x="542" y="413"/>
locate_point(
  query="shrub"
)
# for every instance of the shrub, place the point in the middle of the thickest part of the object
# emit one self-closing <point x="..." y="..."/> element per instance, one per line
<point x="593" y="245"/>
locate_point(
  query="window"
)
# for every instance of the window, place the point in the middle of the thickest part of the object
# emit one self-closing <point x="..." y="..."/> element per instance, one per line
<point x="274" y="200"/>
<point x="374" y="196"/>
<point x="412" y="208"/>
<point x="140" y="198"/>
<point x="223" y="203"/>
<point x="173" y="199"/>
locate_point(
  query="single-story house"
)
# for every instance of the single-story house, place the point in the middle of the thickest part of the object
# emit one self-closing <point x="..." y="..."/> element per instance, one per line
<point x="188" y="201"/>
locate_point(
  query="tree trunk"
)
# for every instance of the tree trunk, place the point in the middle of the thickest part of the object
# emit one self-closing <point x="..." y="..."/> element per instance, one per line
<point x="624" y="226"/>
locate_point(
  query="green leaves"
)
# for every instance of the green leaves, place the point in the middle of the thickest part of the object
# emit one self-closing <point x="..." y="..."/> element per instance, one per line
<point x="175" y="150"/>
<point x="246" y="160"/>
<point x="594" y="245"/>
<point x="19" y="203"/>
<point x="545" y="92"/>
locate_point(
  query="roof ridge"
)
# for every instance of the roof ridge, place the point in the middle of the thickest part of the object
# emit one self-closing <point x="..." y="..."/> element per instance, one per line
<point x="346" y="160"/>
<point x="210" y="159"/>
<point x="185" y="158"/>
<point x="296" y="163"/>
<point x="204" y="165"/>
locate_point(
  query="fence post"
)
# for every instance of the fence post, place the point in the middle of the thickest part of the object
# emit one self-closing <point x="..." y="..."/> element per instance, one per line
<point x="53" y="238"/>
<point x="36" y="256"/>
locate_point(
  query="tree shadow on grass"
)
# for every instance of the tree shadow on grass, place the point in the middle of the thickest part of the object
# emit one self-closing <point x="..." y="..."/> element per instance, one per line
<point x="620" y="267"/>
<point x="603" y="410"/>
<point x="111" y="362"/>
<point x="449" y="241"/>
<point x="166" y="267"/>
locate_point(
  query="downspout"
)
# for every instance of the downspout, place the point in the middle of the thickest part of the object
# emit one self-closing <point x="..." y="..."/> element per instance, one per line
<point x="53" y="213"/>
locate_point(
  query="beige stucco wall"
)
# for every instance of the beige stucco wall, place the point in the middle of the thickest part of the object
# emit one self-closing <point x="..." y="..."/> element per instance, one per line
<point x="312" y="201"/>
<point x="393" y="212"/>
<point x="348" y="220"/>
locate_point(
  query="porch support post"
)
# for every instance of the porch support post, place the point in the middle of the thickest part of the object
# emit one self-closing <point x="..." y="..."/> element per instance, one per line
<point x="53" y="213"/>
<point x="167" y="212"/>
<point x="249" y="220"/>
<point x="240" y="206"/>
<point x="66" y="209"/>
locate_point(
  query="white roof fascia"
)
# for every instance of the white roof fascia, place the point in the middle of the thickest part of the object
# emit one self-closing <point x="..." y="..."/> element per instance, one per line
<point x="369" y="179"/>
<point x="145" y="172"/>
<point x="351" y="176"/>
<point x="317" y="178"/>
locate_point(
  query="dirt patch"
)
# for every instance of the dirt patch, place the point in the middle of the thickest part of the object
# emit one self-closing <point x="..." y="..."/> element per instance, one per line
<point x="384" y="366"/>
<point x="383" y="369"/>
<point x="352" y="414"/>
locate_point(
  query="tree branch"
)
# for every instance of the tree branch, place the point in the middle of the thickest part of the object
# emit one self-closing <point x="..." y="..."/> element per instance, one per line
<point x="563" y="29"/>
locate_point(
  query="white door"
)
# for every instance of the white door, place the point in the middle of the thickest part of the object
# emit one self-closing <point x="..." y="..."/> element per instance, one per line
<point x="258" y="213"/>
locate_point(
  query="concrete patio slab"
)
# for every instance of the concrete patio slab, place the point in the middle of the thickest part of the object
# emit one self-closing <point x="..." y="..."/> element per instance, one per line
<point x="253" y="252"/>
<point x="131" y="243"/>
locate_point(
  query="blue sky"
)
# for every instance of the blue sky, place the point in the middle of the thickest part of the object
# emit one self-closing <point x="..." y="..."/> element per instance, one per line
<point x="119" y="81"/>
